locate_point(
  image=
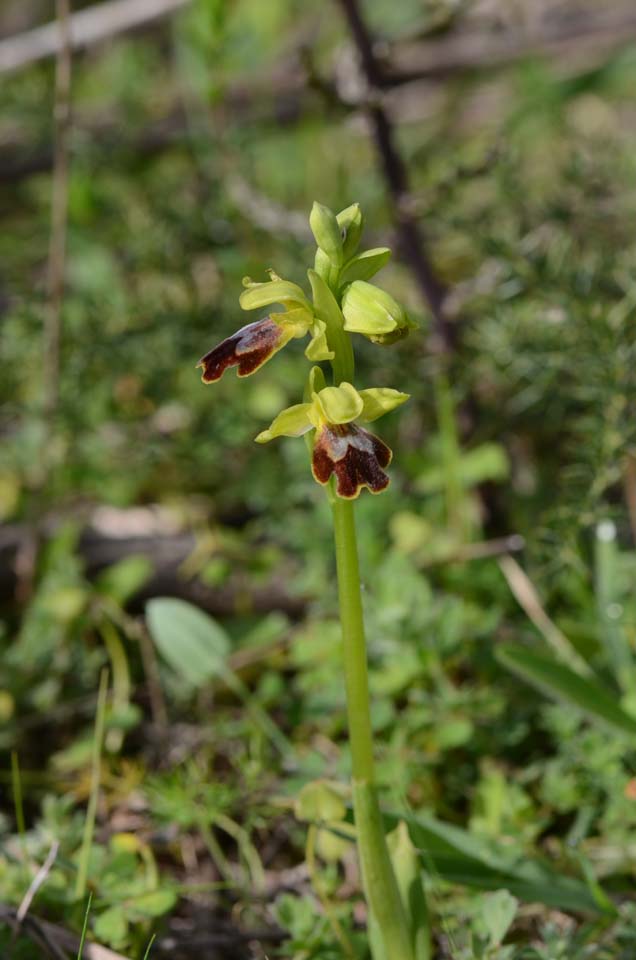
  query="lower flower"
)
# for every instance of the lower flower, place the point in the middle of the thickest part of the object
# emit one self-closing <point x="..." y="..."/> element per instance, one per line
<point x="355" y="456"/>
<point x="342" y="449"/>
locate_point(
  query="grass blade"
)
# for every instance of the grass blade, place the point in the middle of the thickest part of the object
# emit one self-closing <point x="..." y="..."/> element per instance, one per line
<point x="84" y="927"/>
<point x="558" y="681"/>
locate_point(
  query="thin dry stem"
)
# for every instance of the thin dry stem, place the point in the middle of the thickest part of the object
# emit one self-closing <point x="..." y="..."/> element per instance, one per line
<point x="59" y="212"/>
<point x="527" y="597"/>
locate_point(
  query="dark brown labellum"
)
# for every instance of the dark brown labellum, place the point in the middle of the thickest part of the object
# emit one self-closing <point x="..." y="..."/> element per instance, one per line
<point x="354" y="455"/>
<point x="247" y="349"/>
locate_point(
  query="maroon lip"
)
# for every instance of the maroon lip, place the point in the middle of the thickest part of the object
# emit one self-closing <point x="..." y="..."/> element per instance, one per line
<point x="354" y="455"/>
<point x="247" y="349"/>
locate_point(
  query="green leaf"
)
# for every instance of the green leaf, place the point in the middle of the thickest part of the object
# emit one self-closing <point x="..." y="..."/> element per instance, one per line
<point x="154" y="904"/>
<point x="558" y="681"/>
<point x="463" y="858"/>
<point x="196" y="648"/>
<point x="123" y="580"/>
<point x="190" y="641"/>
<point x="497" y="913"/>
<point x="486" y="462"/>
<point x="319" y="801"/>
<point x="408" y="873"/>
<point x="111" y="926"/>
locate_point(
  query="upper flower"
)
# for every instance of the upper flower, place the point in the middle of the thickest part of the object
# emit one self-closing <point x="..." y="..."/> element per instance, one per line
<point x="356" y="456"/>
<point x="251" y="346"/>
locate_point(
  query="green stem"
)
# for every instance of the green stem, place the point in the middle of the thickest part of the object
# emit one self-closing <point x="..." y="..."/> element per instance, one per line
<point x="91" y="810"/>
<point x="354" y="642"/>
<point x="121" y="681"/>
<point x="379" y="881"/>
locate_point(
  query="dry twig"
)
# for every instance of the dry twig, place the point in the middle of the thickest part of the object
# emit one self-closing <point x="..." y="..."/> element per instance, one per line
<point x="527" y="597"/>
<point x="59" y="212"/>
<point x="86" y="28"/>
<point x="36" y="883"/>
<point x="396" y="177"/>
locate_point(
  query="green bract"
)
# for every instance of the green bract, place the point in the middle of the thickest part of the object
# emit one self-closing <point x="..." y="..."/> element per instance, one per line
<point x="365" y="265"/>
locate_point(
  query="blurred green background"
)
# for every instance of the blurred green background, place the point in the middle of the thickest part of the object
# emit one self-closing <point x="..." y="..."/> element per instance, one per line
<point x="197" y="145"/>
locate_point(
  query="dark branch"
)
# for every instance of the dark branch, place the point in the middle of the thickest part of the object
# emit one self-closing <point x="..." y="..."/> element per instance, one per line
<point x="396" y="178"/>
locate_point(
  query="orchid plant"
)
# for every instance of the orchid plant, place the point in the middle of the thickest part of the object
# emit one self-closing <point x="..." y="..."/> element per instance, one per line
<point x="345" y="458"/>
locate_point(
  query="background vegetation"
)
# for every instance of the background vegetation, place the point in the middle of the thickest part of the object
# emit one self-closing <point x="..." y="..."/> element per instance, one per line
<point x="499" y="566"/>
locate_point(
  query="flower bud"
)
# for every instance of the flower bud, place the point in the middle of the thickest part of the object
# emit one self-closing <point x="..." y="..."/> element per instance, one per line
<point x="327" y="233"/>
<point x="350" y="222"/>
<point x="371" y="311"/>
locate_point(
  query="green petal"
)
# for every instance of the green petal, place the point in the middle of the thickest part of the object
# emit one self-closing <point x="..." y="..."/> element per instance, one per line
<point x="298" y="321"/>
<point x="318" y="348"/>
<point x="365" y="265"/>
<point x="339" y="404"/>
<point x="272" y="291"/>
<point x="292" y="422"/>
<point x="380" y="400"/>
<point x="315" y="383"/>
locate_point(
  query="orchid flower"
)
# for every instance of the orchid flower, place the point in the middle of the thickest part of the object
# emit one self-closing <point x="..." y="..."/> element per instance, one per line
<point x="355" y="456"/>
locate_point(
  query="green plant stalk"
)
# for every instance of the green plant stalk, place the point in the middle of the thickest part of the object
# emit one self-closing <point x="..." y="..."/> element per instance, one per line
<point x="91" y="810"/>
<point x="450" y="453"/>
<point x="16" y="784"/>
<point x="380" y="885"/>
<point x="121" y="680"/>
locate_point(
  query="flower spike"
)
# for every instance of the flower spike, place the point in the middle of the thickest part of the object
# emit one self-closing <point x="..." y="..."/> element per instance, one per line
<point x="343" y="302"/>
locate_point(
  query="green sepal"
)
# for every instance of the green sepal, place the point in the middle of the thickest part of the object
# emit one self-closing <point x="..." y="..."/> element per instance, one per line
<point x="365" y="265"/>
<point x="327" y="233"/>
<point x="272" y="291"/>
<point x="380" y="400"/>
<point x="292" y="422"/>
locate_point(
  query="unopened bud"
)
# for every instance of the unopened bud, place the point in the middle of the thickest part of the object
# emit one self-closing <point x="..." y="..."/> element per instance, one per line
<point x="327" y="233"/>
<point x="371" y="311"/>
<point x="350" y="222"/>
